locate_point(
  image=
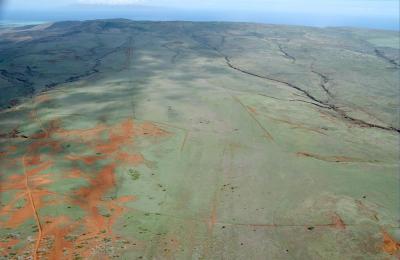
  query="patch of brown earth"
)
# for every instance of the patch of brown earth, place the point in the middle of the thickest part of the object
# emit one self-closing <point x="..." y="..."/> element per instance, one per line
<point x="89" y="160"/>
<point x="390" y="245"/>
<point x="338" y="222"/>
<point x="252" y="110"/>
<point x="43" y="151"/>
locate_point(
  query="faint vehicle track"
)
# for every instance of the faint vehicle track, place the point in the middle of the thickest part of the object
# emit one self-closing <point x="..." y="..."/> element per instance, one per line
<point x="336" y="222"/>
<point x="32" y="202"/>
<point x="266" y="132"/>
<point x="128" y="52"/>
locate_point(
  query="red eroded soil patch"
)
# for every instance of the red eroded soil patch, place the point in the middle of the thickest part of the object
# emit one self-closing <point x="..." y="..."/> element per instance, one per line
<point x="91" y="159"/>
<point x="338" y="222"/>
<point x="252" y="110"/>
<point x="134" y="159"/>
<point x="9" y="242"/>
<point x="90" y="197"/>
<point x="390" y="245"/>
<point x="54" y="237"/>
<point x="43" y="151"/>
<point x="18" y="216"/>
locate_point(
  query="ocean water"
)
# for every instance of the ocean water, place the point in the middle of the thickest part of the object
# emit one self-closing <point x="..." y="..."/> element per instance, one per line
<point x="17" y="23"/>
<point x="387" y="22"/>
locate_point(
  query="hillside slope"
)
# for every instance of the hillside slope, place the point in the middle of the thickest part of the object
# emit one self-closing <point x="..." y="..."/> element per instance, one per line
<point x="183" y="140"/>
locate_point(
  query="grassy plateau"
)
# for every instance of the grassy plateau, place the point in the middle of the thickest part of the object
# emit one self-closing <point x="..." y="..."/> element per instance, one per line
<point x="183" y="140"/>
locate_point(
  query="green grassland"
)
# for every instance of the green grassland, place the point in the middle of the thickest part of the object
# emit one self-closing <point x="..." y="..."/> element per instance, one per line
<point x="280" y="142"/>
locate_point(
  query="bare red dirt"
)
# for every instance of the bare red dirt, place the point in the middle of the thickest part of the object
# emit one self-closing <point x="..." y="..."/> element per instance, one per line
<point x="43" y="151"/>
<point x="338" y="222"/>
<point x="390" y="245"/>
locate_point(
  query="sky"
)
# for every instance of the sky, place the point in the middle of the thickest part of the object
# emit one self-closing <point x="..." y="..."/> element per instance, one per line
<point x="382" y="14"/>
